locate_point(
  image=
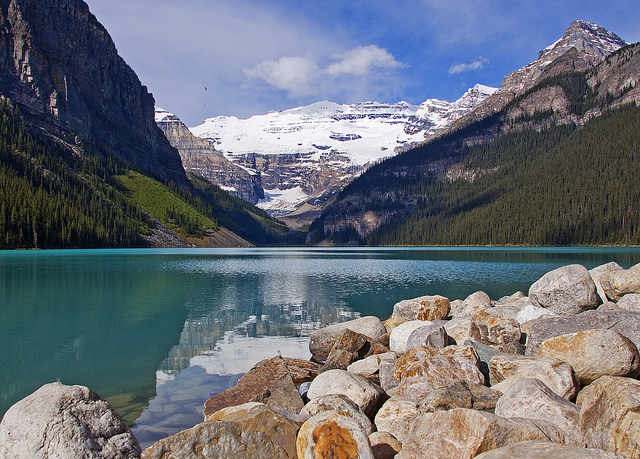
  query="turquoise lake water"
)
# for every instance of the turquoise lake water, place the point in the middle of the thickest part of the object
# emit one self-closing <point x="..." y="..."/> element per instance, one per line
<point x="157" y="331"/>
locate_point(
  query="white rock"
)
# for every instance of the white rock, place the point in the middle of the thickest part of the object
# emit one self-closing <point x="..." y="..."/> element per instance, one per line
<point x="362" y="392"/>
<point x="630" y="302"/>
<point x="397" y="417"/>
<point x="417" y="333"/>
<point x="566" y="290"/>
<point x="342" y="405"/>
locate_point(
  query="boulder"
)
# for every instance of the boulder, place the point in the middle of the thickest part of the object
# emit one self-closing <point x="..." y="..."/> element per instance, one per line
<point x="272" y="381"/>
<point x="510" y="298"/>
<point x="59" y="421"/>
<point x="456" y="308"/>
<point x="557" y="375"/>
<point x="321" y="341"/>
<point x="330" y="434"/>
<point x="396" y="417"/>
<point x="392" y="322"/>
<point x="417" y="333"/>
<point x="610" y="415"/>
<point x="600" y="276"/>
<point x="620" y="282"/>
<point x="630" y="303"/>
<point x="566" y="290"/>
<point x="485" y="354"/>
<point x="545" y="450"/>
<point x="421" y="369"/>
<point x="625" y="323"/>
<point x="488" y="327"/>
<point x="369" y="366"/>
<point x="463" y="433"/>
<point x="458" y="329"/>
<point x="348" y="348"/>
<point x="362" y="392"/>
<point x="473" y="303"/>
<point x="529" y="311"/>
<point x="459" y="395"/>
<point x="594" y="353"/>
<point x="423" y="308"/>
<point x="531" y="399"/>
<point x="384" y="445"/>
<point x="258" y="417"/>
<point x="340" y="404"/>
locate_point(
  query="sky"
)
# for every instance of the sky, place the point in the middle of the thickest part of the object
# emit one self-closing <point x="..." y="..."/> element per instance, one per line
<point x="204" y="58"/>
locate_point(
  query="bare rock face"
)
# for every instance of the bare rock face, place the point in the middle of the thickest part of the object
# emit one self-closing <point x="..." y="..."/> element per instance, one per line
<point x="321" y="341"/>
<point x="610" y="415"/>
<point x="459" y="395"/>
<point x="531" y="399"/>
<point x="463" y="433"/>
<point x="594" y="353"/>
<point x="625" y="323"/>
<point x="341" y="404"/>
<point x="420" y="370"/>
<point x="617" y="283"/>
<point x="566" y="290"/>
<point x="64" y="421"/>
<point x="417" y="333"/>
<point x="474" y="302"/>
<point x="61" y="67"/>
<point x="331" y="434"/>
<point x="545" y="450"/>
<point x="272" y="381"/>
<point x="423" y="308"/>
<point x="247" y="431"/>
<point x="506" y="369"/>
<point x="200" y="158"/>
<point x="356" y="388"/>
<point x="384" y="445"/>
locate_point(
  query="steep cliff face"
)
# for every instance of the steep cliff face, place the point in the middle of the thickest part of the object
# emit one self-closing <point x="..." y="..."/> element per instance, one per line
<point x="199" y="157"/>
<point x="60" y="66"/>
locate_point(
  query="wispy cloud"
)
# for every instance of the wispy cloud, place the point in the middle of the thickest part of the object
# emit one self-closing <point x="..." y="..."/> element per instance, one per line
<point x="472" y="66"/>
<point x="348" y="70"/>
<point x="362" y="60"/>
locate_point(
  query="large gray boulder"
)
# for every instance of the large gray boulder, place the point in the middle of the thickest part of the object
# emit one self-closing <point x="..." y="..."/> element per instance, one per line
<point x="356" y="388"/>
<point x="545" y="450"/>
<point x="531" y="399"/>
<point x="464" y="433"/>
<point x="620" y="282"/>
<point x="566" y="290"/>
<point x="594" y="353"/>
<point x="625" y="323"/>
<point x="600" y="276"/>
<point x="59" y="421"/>
<point x="610" y="415"/>
<point x="417" y="333"/>
<point x="507" y="369"/>
<point x="321" y="341"/>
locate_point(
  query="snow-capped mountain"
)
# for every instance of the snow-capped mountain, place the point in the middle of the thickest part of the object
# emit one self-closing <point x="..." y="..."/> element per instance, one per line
<point x="306" y="154"/>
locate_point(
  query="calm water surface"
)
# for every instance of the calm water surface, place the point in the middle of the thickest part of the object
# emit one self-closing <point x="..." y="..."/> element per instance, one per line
<point x="157" y="331"/>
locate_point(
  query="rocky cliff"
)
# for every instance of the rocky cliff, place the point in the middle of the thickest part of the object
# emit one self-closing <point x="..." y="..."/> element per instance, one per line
<point x="60" y="66"/>
<point x="570" y="84"/>
<point x="199" y="157"/>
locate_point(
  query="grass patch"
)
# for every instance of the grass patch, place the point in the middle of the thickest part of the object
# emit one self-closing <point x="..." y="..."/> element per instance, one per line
<point x="166" y="206"/>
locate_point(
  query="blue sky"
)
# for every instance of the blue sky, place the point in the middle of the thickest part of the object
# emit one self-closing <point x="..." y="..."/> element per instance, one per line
<point x="203" y="58"/>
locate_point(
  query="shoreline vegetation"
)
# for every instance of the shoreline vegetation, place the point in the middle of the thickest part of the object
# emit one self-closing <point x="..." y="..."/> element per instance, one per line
<point x="548" y="373"/>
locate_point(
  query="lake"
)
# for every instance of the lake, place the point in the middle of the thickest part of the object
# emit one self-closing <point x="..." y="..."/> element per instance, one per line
<point x="157" y="331"/>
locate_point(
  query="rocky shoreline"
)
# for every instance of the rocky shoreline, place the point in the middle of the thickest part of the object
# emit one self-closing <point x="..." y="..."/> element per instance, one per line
<point x="551" y="373"/>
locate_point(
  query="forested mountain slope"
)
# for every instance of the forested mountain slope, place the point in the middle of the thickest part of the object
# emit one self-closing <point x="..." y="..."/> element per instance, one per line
<point x="543" y="170"/>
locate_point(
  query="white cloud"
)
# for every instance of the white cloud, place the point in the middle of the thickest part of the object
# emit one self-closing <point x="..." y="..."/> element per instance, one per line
<point x="362" y="60"/>
<point x="347" y="72"/>
<point x="472" y="66"/>
<point x="292" y="74"/>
